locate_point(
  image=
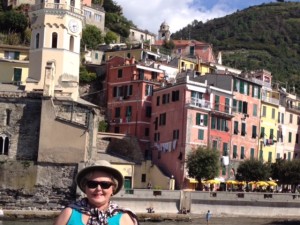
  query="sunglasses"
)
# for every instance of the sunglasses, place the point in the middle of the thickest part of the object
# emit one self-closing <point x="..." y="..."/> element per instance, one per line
<point x="94" y="184"/>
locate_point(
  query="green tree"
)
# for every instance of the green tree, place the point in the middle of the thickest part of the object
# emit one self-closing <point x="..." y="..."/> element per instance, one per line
<point x="112" y="7"/>
<point x="253" y="170"/>
<point x="289" y="172"/>
<point x="110" y="37"/>
<point x="85" y="76"/>
<point x="91" y="37"/>
<point x="13" y="22"/>
<point x="169" y="44"/>
<point x="203" y="163"/>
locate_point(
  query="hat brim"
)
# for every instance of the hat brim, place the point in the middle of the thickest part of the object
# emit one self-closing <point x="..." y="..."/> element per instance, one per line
<point x="109" y="170"/>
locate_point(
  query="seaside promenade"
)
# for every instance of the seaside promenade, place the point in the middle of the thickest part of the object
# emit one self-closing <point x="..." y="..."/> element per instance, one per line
<point x="189" y="205"/>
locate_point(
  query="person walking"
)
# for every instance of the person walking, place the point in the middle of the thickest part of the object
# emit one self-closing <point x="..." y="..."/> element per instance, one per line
<point x="208" y="217"/>
<point x="99" y="182"/>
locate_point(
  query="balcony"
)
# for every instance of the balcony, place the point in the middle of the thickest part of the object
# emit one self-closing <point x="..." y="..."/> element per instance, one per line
<point x="270" y="100"/>
<point x="199" y="103"/>
<point x="56" y="6"/>
<point x="222" y="110"/>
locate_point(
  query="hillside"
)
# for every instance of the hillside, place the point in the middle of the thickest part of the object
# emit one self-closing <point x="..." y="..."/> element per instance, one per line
<point x="260" y="37"/>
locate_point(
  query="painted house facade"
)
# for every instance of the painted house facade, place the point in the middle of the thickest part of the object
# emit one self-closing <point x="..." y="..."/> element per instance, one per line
<point x="130" y="87"/>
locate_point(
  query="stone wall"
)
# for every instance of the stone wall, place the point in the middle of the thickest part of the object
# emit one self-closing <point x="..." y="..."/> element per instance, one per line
<point x="20" y="123"/>
<point x="25" y="185"/>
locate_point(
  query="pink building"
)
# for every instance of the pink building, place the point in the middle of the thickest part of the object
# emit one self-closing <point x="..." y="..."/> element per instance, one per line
<point x="186" y="115"/>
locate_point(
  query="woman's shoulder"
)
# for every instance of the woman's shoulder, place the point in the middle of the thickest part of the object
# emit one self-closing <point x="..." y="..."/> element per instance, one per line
<point x="126" y="219"/>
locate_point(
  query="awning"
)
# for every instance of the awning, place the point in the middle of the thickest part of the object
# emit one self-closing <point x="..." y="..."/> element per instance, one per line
<point x="192" y="180"/>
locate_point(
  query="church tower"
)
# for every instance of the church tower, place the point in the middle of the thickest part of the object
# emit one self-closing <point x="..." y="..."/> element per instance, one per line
<point x="54" y="57"/>
<point x="164" y="32"/>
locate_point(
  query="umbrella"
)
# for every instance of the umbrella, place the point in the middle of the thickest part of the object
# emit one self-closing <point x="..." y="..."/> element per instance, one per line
<point x="233" y="182"/>
<point x="272" y="183"/>
<point x="262" y="183"/>
<point x="212" y="182"/>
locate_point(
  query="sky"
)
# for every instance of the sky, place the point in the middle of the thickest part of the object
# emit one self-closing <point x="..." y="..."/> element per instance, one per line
<point x="150" y="14"/>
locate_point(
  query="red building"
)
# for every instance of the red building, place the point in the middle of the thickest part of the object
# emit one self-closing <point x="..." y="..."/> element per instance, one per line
<point x="129" y="95"/>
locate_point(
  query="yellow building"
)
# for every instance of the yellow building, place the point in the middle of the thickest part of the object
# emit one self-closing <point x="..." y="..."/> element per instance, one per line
<point x="13" y="64"/>
<point x="196" y="65"/>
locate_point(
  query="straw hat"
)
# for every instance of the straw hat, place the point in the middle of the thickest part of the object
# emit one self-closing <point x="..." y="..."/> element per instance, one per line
<point x="103" y="166"/>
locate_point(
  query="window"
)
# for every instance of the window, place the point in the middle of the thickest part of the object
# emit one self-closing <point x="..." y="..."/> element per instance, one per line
<point x="117" y="130"/>
<point x="252" y="153"/>
<point x="141" y="74"/>
<point x="271" y="134"/>
<point x="215" y="145"/>
<point x="227" y="105"/>
<point x="128" y="111"/>
<point x="273" y="113"/>
<point x="201" y="119"/>
<point x="149" y="90"/>
<point x="234" y="152"/>
<point x="54" y="40"/>
<point x="219" y="124"/>
<point x="175" y="96"/>
<point x="291" y="118"/>
<point x="264" y="111"/>
<point x="175" y="134"/>
<point x="261" y="155"/>
<point x="96" y="56"/>
<point x="242" y="152"/>
<point x="225" y="149"/>
<point x="217" y="102"/>
<point x="200" y="134"/>
<point x="165" y="98"/>
<point x="147" y="131"/>
<point x="148" y="111"/>
<point x="97" y="17"/>
<point x="157" y="136"/>
<point x="153" y="75"/>
<point x="4" y="144"/>
<point x="243" y="131"/>
<point x="254" y="133"/>
<point x="234" y="105"/>
<point x="11" y="55"/>
<point x="262" y="132"/>
<point x="37" y="40"/>
<point x="236" y="127"/>
<point x="290" y="137"/>
<point x="270" y="157"/>
<point x="297" y="140"/>
<point x="8" y="114"/>
<point x="162" y="119"/>
<point x="87" y="14"/>
<point x="117" y="112"/>
<point x="156" y="123"/>
<point x="289" y="156"/>
<point x="254" y="110"/>
<point x="157" y="100"/>
<point x="17" y="75"/>
<point x="256" y="92"/>
<point x="120" y="73"/>
<point x="71" y="44"/>
<point x="143" y="178"/>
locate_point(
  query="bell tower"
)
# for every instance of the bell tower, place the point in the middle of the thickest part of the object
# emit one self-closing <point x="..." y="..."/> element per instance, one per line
<point x="54" y="57"/>
<point x="164" y="32"/>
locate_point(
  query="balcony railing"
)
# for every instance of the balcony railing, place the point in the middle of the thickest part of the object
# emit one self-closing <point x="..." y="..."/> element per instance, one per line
<point x="56" y="6"/>
<point x="199" y="103"/>
<point x="270" y="100"/>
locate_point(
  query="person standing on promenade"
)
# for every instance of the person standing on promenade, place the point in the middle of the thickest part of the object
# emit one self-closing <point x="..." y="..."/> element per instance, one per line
<point x="99" y="182"/>
<point x="208" y="217"/>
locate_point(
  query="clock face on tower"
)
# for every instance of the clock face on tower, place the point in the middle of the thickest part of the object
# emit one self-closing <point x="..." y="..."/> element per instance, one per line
<point x="73" y="26"/>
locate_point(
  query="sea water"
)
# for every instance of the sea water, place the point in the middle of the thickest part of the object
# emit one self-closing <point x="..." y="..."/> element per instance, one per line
<point x="198" y="221"/>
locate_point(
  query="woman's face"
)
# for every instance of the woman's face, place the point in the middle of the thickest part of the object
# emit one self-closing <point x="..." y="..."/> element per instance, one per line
<point x="99" y="196"/>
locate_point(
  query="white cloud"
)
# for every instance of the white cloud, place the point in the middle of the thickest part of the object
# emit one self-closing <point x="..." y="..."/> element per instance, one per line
<point x="149" y="14"/>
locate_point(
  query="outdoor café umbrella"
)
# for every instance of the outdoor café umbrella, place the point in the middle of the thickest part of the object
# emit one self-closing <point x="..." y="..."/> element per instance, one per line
<point x="262" y="183"/>
<point x="272" y="183"/>
<point x="232" y="182"/>
<point x="212" y="182"/>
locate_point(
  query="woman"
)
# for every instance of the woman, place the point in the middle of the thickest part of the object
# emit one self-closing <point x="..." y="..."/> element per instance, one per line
<point x="99" y="182"/>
